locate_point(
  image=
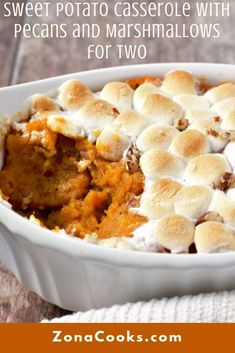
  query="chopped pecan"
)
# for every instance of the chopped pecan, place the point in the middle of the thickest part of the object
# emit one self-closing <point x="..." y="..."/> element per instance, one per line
<point x="213" y="133"/>
<point x="210" y="216"/>
<point x="132" y="159"/>
<point x="227" y="181"/>
<point x="217" y="119"/>
<point x="228" y="135"/>
<point x="181" y="124"/>
<point x="192" y="249"/>
<point x="115" y="111"/>
<point x="202" y="86"/>
<point x="163" y="250"/>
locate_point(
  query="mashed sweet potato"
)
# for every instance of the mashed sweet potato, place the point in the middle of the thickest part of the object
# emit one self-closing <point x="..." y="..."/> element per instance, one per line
<point x="65" y="184"/>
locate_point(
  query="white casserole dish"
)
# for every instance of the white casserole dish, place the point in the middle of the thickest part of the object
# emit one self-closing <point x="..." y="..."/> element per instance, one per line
<point x="77" y="275"/>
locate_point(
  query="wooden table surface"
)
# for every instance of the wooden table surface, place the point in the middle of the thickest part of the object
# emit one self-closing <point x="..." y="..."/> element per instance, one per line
<point x="28" y="59"/>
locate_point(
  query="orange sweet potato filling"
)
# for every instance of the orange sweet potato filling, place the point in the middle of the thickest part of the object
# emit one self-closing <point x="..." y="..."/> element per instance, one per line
<point x="46" y="179"/>
<point x="134" y="83"/>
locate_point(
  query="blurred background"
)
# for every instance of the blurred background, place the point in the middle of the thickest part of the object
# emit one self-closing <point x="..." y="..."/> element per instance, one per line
<point x="28" y="59"/>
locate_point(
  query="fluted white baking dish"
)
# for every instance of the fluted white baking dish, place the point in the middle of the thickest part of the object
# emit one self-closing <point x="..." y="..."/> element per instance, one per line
<point x="77" y="275"/>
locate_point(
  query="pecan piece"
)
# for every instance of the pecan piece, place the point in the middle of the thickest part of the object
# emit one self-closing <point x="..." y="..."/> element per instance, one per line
<point x="181" y="124"/>
<point x="217" y="119"/>
<point x="213" y="133"/>
<point x="115" y="111"/>
<point x="132" y="159"/>
<point x="210" y="216"/>
<point x="227" y="181"/>
<point x="228" y="135"/>
<point x="163" y="250"/>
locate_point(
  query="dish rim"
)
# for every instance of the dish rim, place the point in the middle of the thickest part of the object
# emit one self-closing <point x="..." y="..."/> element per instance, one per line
<point x="78" y="247"/>
<point x="173" y="65"/>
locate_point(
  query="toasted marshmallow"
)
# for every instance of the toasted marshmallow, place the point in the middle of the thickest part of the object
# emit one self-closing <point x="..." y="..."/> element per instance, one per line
<point x="231" y="193"/>
<point x="40" y="104"/>
<point x="217" y="142"/>
<point x="66" y="125"/>
<point x="193" y="201"/>
<point x="190" y="101"/>
<point x="97" y="114"/>
<point x="228" y="122"/>
<point x="73" y="95"/>
<point x="158" y="200"/>
<point x="174" y="232"/>
<point x="211" y="128"/>
<point x="189" y="144"/>
<point x="224" y="206"/>
<point x="156" y="136"/>
<point x="205" y="124"/>
<point x="35" y="104"/>
<point x="224" y="107"/>
<point x="229" y="153"/>
<point x="179" y="82"/>
<point x="161" y="109"/>
<point x="157" y="163"/>
<point x="217" y="94"/>
<point x="143" y="240"/>
<point x="214" y="237"/>
<point x="116" y="242"/>
<point x="111" y="144"/>
<point x="194" y="115"/>
<point x="206" y="169"/>
<point x="141" y="93"/>
<point x="131" y="123"/>
<point x="119" y="94"/>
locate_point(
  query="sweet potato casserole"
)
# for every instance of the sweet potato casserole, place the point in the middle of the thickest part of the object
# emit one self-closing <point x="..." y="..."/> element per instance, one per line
<point x="145" y="164"/>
